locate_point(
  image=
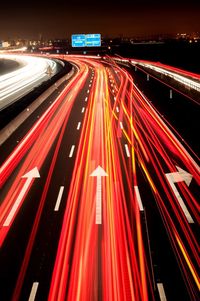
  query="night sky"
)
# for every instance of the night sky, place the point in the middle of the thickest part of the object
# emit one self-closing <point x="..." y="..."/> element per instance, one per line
<point x="128" y="18"/>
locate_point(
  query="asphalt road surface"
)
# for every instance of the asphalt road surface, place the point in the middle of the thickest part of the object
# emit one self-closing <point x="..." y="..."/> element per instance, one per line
<point x="99" y="197"/>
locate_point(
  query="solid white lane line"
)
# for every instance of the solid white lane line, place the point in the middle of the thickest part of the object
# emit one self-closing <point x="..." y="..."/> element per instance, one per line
<point x="78" y="126"/>
<point x="59" y="198"/>
<point x="127" y="150"/>
<point x="161" y="292"/>
<point x="71" y="151"/>
<point x="121" y="125"/>
<point x="83" y="109"/>
<point x="138" y="197"/>
<point x="33" y="291"/>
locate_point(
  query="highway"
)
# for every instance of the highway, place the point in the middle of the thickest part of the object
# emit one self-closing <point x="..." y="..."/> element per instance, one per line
<point x="99" y="196"/>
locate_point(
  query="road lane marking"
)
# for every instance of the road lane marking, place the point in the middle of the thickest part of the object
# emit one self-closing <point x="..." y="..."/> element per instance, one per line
<point x="161" y="292"/>
<point x="86" y="99"/>
<point x="33" y="291"/>
<point x="127" y="150"/>
<point x="71" y="151"/>
<point x="138" y="198"/>
<point x="59" y="198"/>
<point x="121" y="125"/>
<point x="117" y="109"/>
<point x="90" y="85"/>
<point x="180" y="176"/>
<point x="78" y="126"/>
<point x="83" y="109"/>
<point x="88" y="91"/>
<point x="99" y="172"/>
<point x="32" y="174"/>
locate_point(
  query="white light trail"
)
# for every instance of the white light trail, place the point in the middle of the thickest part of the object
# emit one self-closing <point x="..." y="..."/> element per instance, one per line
<point x="31" y="73"/>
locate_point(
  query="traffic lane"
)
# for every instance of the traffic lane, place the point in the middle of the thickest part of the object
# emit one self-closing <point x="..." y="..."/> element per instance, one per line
<point x="14" y="246"/>
<point x="179" y="111"/>
<point x="162" y="264"/>
<point x="43" y="254"/>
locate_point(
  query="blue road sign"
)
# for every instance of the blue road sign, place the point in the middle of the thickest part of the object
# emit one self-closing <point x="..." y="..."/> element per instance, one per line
<point x="86" y="40"/>
<point x="78" y="40"/>
<point x="93" y="40"/>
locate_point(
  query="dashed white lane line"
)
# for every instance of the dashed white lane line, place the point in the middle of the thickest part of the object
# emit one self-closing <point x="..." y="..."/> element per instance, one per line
<point x="33" y="291"/>
<point x="86" y="99"/>
<point x="161" y="292"/>
<point x="71" y="151"/>
<point x="83" y="110"/>
<point x="138" y="198"/>
<point x="59" y="198"/>
<point x="88" y="91"/>
<point x="117" y="109"/>
<point x="121" y="125"/>
<point x="127" y="150"/>
<point x="78" y="126"/>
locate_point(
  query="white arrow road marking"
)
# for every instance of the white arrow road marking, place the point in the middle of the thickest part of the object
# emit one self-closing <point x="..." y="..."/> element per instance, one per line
<point x="138" y="198"/>
<point x="33" y="291"/>
<point x="99" y="172"/>
<point x="34" y="173"/>
<point x="180" y="176"/>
